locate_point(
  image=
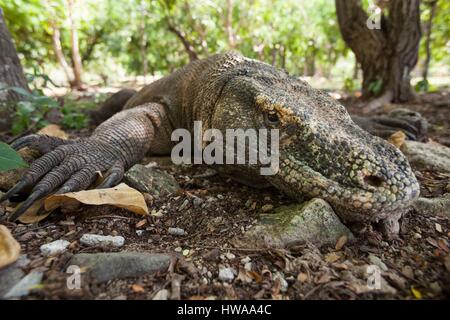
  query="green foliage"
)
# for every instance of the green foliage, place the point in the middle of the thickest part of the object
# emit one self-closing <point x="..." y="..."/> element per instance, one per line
<point x="9" y="158"/>
<point x="376" y="86"/>
<point x="75" y="112"/>
<point x="350" y="84"/>
<point x="31" y="110"/>
<point x="422" y="86"/>
<point x="297" y="35"/>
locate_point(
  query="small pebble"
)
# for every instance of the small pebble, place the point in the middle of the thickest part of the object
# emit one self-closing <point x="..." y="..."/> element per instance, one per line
<point x="245" y="260"/>
<point x="55" y="247"/>
<point x="266" y="208"/>
<point x="99" y="240"/>
<point x="283" y="283"/>
<point x="197" y="201"/>
<point x="226" y="274"/>
<point x="177" y="232"/>
<point x="230" y="256"/>
<point x="161" y="295"/>
<point x="377" y="261"/>
<point x="184" y="204"/>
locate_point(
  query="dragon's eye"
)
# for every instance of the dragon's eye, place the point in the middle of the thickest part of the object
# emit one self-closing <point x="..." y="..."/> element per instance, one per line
<point x="272" y="118"/>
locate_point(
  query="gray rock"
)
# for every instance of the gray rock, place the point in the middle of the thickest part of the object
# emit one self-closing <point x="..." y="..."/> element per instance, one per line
<point x="313" y="221"/>
<point x="161" y="295"/>
<point x="151" y="180"/>
<point x="26" y="284"/>
<point x="177" y="232"/>
<point x="9" y="276"/>
<point x="377" y="261"/>
<point x="427" y="156"/>
<point x="99" y="240"/>
<point x="197" y="202"/>
<point x="433" y="206"/>
<point x="54" y="248"/>
<point x="226" y="274"/>
<point x="102" y="267"/>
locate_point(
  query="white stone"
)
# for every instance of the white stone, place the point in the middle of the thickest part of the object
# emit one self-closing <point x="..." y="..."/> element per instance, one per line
<point x="230" y="256"/>
<point x="177" y="232"/>
<point x="226" y="274"/>
<point x="55" y="247"/>
<point x="283" y="283"/>
<point x="161" y="295"/>
<point x="246" y="260"/>
<point x="90" y="240"/>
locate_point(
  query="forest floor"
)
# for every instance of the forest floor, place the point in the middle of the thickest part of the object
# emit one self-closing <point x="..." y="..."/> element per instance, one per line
<point x="415" y="265"/>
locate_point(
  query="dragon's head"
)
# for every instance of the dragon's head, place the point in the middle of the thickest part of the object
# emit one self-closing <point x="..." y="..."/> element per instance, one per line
<point x="322" y="152"/>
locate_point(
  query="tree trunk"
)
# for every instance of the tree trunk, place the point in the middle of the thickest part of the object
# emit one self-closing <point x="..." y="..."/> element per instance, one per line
<point x="76" y="58"/>
<point x="143" y="41"/>
<point x="59" y="53"/>
<point x="11" y="75"/>
<point x="186" y="43"/>
<point x="386" y="52"/>
<point x="229" y="25"/>
<point x="428" y="27"/>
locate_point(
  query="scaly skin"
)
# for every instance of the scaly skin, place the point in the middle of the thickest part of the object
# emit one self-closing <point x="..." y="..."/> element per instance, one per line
<point x="323" y="153"/>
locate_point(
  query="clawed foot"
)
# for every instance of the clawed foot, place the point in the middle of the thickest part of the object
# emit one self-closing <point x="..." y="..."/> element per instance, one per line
<point x="411" y="123"/>
<point x="66" y="166"/>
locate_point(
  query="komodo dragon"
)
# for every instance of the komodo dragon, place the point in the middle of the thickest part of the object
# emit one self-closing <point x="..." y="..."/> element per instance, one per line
<point x="323" y="153"/>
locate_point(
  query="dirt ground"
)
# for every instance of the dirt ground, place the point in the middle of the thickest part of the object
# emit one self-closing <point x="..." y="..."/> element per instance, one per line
<point x="415" y="261"/>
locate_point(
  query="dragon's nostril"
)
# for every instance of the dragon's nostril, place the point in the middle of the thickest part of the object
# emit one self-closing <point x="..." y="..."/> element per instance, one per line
<point x="373" y="181"/>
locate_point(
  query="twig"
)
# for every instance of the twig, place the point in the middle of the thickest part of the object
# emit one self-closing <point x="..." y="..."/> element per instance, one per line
<point x="110" y="216"/>
<point x="33" y="229"/>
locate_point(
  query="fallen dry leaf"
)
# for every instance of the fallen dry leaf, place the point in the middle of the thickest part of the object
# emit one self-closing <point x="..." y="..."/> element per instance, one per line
<point x="416" y="293"/>
<point x="141" y="223"/>
<point x="137" y="288"/>
<point x="332" y="257"/>
<point x="244" y="276"/>
<point x="323" y="279"/>
<point x="302" y="277"/>
<point x="438" y="227"/>
<point x="54" y="130"/>
<point x="9" y="247"/>
<point x="397" y="139"/>
<point x="256" y="276"/>
<point x="121" y="196"/>
<point x="31" y="215"/>
<point x="433" y="242"/>
<point x="341" y="242"/>
<point x="443" y="245"/>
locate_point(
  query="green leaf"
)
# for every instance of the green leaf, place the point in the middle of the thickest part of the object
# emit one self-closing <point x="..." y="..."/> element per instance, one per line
<point x="9" y="158"/>
<point x="20" y="91"/>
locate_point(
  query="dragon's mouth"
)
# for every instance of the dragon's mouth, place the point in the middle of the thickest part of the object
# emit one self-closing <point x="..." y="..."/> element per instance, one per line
<point x="372" y="202"/>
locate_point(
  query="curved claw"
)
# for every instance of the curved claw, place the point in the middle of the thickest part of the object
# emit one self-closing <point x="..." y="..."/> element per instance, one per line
<point x="114" y="176"/>
<point x="19" y="186"/>
<point x="38" y="194"/>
